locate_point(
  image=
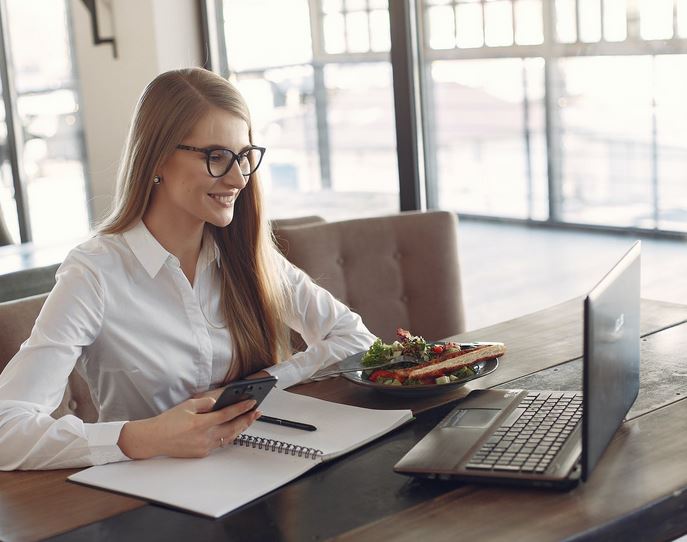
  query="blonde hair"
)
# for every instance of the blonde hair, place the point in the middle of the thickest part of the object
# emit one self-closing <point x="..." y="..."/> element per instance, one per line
<point x="252" y="288"/>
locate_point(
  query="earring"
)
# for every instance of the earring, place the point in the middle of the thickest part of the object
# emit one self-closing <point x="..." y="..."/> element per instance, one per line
<point x="157" y="179"/>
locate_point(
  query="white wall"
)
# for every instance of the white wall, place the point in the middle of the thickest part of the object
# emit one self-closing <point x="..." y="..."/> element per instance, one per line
<point x="152" y="36"/>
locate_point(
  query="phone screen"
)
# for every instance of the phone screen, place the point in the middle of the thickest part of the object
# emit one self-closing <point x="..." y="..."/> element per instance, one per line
<point x="241" y="390"/>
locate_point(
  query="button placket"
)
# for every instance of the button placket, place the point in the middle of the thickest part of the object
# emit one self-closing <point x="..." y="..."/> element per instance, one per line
<point x="198" y="327"/>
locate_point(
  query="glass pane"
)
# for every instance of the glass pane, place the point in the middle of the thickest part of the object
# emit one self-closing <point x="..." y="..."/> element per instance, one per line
<point x="356" y="5"/>
<point x="606" y="120"/>
<point x="360" y="113"/>
<point x="615" y="20"/>
<point x="682" y="18"/>
<point x="380" y="37"/>
<point x="528" y="22"/>
<point x="9" y="226"/>
<point x="590" y="20"/>
<point x="334" y="28"/>
<point x="470" y="26"/>
<point x="671" y="112"/>
<point x="656" y="19"/>
<point x="357" y="32"/>
<point x="287" y="24"/>
<point x="47" y="106"/>
<point x="566" y="16"/>
<point x="498" y="28"/>
<point x="479" y="133"/>
<point x="332" y="6"/>
<point x="442" y="30"/>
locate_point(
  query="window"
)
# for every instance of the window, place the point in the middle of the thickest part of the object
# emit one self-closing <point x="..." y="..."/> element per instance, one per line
<point x="320" y="94"/>
<point x="563" y="111"/>
<point x="47" y="138"/>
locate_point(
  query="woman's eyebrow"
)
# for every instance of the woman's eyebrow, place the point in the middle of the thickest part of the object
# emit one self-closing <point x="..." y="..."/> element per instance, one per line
<point x="215" y="147"/>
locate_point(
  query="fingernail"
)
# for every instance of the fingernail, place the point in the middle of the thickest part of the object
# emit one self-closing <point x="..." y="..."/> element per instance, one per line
<point x="252" y="403"/>
<point x="258" y="413"/>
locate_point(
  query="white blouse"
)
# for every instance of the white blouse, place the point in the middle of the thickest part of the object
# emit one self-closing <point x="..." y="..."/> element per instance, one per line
<point x="124" y="315"/>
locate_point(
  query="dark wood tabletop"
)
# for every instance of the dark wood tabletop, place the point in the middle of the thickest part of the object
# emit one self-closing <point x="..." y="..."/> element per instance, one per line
<point x="637" y="491"/>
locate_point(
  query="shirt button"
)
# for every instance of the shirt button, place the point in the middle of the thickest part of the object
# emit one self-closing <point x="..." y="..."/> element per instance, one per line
<point x="340" y="260"/>
<point x="404" y="298"/>
<point x="72" y="405"/>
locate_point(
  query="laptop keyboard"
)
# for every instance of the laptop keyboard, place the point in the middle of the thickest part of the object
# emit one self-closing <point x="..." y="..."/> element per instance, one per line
<point x="532" y="435"/>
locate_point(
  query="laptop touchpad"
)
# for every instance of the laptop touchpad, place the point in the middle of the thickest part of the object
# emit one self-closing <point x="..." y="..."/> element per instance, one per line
<point x="475" y="417"/>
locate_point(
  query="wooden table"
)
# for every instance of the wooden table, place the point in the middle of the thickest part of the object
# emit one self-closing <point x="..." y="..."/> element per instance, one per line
<point x="637" y="491"/>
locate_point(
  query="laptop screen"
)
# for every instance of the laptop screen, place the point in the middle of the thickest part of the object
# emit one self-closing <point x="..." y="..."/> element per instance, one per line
<point x="611" y="355"/>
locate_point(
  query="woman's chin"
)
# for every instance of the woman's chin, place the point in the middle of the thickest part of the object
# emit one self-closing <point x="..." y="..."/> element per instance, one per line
<point x="221" y="221"/>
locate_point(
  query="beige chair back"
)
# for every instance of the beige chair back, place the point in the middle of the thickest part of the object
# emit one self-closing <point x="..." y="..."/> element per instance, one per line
<point x="16" y="321"/>
<point x="395" y="271"/>
<point x="278" y="223"/>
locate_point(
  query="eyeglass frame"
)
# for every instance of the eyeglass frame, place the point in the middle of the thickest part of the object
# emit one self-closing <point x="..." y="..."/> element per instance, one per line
<point x="207" y="151"/>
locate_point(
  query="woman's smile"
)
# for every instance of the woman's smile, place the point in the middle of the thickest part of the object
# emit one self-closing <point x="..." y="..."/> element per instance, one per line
<point x="224" y="199"/>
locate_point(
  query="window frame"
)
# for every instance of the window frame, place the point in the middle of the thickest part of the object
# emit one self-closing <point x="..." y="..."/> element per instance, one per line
<point x="15" y="141"/>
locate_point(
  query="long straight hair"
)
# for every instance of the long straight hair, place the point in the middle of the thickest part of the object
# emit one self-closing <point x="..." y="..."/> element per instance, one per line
<point x="253" y="290"/>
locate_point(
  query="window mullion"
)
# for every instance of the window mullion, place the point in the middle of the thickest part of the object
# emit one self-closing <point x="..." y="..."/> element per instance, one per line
<point x="552" y="114"/>
<point x="404" y="63"/>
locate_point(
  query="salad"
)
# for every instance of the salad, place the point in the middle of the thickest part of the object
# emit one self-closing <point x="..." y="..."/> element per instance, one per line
<point x="420" y="349"/>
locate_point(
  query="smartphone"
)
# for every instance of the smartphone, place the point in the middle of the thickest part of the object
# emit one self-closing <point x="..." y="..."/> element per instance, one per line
<point x="240" y="390"/>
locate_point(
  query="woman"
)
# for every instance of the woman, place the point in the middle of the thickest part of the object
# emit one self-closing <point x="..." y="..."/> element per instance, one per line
<point x="181" y="291"/>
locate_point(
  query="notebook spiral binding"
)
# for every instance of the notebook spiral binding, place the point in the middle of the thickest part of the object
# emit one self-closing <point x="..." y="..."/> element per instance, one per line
<point x="278" y="446"/>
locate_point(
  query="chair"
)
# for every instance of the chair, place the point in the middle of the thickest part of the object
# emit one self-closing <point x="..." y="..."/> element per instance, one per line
<point x="16" y="321"/>
<point x="395" y="271"/>
<point x="27" y="282"/>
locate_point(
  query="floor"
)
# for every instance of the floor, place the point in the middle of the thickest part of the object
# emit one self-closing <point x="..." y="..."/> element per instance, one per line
<point x="509" y="270"/>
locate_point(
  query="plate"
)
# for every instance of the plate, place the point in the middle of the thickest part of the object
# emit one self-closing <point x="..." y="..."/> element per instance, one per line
<point x="481" y="369"/>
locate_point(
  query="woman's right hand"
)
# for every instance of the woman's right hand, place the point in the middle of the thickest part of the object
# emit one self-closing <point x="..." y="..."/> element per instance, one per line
<point x="189" y="429"/>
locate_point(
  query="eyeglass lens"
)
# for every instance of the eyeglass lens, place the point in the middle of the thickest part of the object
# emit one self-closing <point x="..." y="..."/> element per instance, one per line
<point x="220" y="160"/>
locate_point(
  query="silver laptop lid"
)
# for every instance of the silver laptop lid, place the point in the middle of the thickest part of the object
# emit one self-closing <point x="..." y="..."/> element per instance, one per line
<point x="611" y="355"/>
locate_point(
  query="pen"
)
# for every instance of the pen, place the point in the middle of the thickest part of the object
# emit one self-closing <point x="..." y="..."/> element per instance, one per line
<point x="287" y="423"/>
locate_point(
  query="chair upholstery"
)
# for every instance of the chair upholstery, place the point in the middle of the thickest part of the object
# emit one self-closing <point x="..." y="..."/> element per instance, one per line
<point x="28" y="282"/>
<point x="279" y="223"/>
<point x="395" y="271"/>
<point x="16" y="321"/>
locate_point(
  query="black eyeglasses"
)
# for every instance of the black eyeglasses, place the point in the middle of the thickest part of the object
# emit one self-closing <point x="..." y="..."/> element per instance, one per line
<point x="219" y="160"/>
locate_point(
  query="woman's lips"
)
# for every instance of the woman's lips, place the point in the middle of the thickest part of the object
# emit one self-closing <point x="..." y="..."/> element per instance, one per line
<point x="224" y="199"/>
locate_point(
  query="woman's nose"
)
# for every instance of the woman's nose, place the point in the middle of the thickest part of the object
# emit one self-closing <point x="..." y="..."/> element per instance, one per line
<point x="234" y="177"/>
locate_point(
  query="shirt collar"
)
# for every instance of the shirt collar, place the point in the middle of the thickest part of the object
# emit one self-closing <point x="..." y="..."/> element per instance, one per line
<point x="152" y="255"/>
<point x="209" y="251"/>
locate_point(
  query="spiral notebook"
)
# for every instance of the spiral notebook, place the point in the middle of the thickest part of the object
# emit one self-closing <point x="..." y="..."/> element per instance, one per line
<point x="261" y="460"/>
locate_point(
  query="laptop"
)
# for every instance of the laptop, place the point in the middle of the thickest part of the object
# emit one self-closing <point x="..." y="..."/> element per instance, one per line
<point x="547" y="438"/>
